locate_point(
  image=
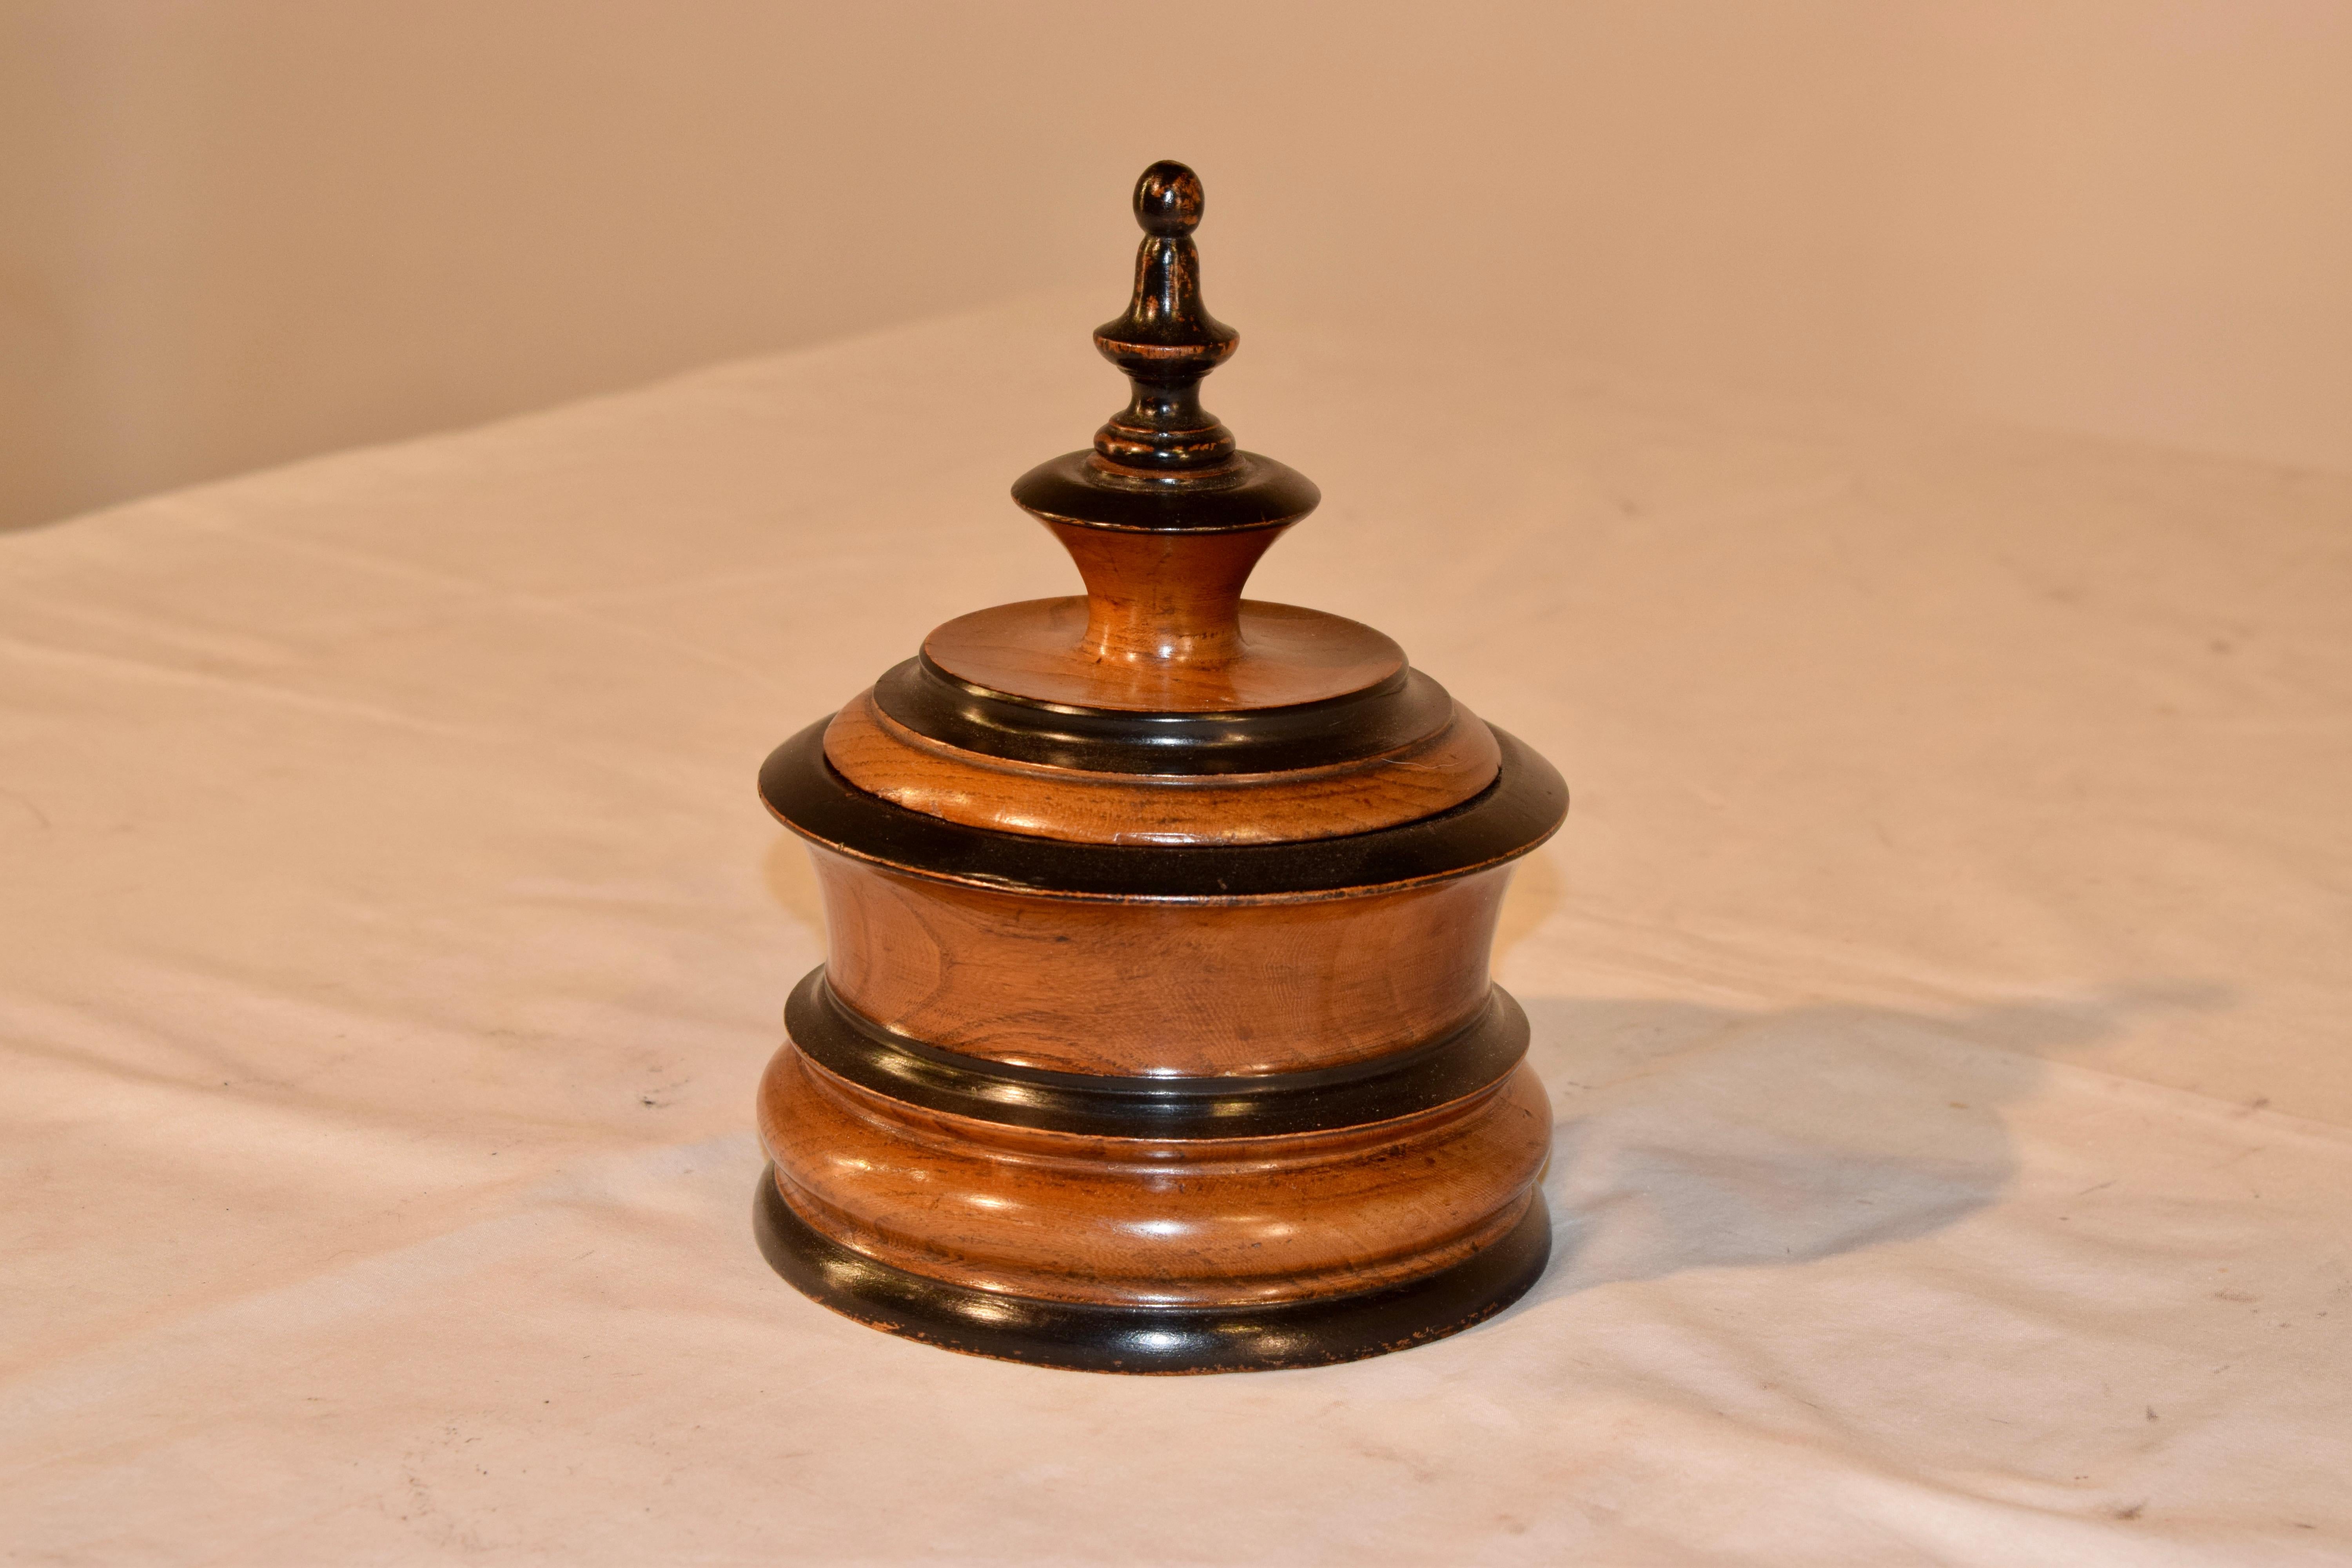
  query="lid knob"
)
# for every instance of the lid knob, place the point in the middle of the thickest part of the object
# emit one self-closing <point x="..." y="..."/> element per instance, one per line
<point x="1166" y="342"/>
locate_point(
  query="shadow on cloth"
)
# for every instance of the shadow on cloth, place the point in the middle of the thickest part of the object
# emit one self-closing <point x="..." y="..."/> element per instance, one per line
<point x="1697" y="1137"/>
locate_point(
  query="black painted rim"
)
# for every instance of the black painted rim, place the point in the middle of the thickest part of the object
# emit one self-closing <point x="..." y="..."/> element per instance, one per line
<point x="1470" y="1060"/>
<point x="1082" y="1338"/>
<point x="1254" y="492"/>
<point x="1519" y="811"/>
<point x="1383" y="717"/>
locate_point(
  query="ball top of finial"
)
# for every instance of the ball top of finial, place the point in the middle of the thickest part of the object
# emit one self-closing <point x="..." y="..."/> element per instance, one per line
<point x="1168" y="199"/>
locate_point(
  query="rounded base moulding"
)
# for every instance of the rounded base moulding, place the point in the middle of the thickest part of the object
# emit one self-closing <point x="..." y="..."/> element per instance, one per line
<point x="1137" y="1221"/>
<point x="1085" y="1337"/>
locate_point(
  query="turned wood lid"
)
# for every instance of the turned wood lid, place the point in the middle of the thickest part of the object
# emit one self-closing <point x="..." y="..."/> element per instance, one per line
<point x="1163" y="707"/>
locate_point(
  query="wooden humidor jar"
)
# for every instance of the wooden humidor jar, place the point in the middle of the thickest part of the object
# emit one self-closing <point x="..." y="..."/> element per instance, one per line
<point x="1157" y="1033"/>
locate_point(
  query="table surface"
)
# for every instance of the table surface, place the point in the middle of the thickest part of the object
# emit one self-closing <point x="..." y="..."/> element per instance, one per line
<point x="1942" y="980"/>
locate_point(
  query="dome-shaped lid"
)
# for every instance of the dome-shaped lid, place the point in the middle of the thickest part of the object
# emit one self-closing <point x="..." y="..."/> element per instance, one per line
<point x="1163" y="708"/>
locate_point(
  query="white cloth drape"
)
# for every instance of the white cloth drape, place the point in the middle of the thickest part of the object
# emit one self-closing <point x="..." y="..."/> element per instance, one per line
<point x="1942" y="979"/>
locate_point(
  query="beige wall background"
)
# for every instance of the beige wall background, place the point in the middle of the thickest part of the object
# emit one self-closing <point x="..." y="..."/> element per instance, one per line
<point x="240" y="231"/>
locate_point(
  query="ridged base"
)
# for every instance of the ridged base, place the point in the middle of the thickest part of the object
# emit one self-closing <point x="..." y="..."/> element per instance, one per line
<point x="1087" y="1337"/>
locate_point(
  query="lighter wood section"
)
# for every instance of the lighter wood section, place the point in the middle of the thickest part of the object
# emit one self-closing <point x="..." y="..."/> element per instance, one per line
<point x="1278" y="655"/>
<point x="883" y="757"/>
<point x="1163" y="598"/>
<point x="1192" y="988"/>
<point x="1136" y="1222"/>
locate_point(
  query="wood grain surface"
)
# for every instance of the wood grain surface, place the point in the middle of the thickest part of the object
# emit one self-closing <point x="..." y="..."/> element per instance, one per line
<point x="1196" y="987"/>
<point x="885" y="758"/>
<point x="1163" y="598"/>
<point x="1280" y="655"/>
<point x="1135" y="1221"/>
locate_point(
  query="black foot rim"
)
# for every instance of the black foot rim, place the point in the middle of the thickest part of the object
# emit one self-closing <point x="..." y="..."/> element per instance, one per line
<point x="1148" y="1340"/>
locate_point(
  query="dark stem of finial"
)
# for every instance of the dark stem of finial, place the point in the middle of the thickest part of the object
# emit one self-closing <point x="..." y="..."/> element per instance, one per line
<point x="1167" y="341"/>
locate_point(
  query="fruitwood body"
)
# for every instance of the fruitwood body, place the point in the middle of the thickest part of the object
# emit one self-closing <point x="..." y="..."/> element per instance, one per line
<point x="1131" y="1223"/>
<point x="1433" y="773"/>
<point x="1154" y="988"/>
<point x="1156" y="1033"/>
<point x="1094" y="655"/>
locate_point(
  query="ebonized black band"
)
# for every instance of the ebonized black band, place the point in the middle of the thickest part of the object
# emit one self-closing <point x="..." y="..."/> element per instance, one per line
<point x="1519" y="811"/>
<point x="935" y="703"/>
<point x="1251" y="491"/>
<point x="1085" y="1338"/>
<point x="844" y="1041"/>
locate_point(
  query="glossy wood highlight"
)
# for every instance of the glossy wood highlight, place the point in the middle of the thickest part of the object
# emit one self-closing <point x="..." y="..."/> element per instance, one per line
<point x="1147" y="988"/>
<point x="1519" y="811"/>
<point x="1135" y="1221"/>
<point x="1152" y="1341"/>
<point x="1435" y="774"/>
<point x="1278" y="655"/>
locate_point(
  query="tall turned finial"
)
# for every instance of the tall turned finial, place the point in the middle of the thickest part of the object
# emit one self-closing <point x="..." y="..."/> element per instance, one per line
<point x="1164" y="517"/>
<point x="1167" y="340"/>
